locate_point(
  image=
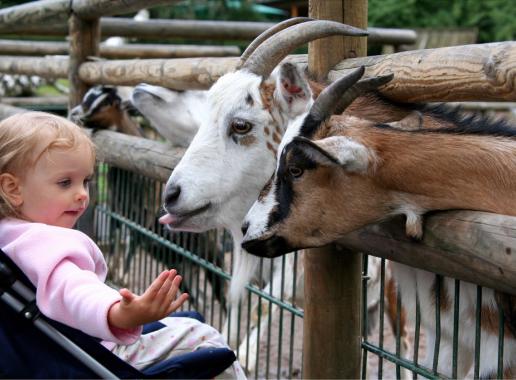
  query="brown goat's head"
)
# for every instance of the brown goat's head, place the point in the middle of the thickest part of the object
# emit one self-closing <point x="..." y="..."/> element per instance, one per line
<point x="277" y="222"/>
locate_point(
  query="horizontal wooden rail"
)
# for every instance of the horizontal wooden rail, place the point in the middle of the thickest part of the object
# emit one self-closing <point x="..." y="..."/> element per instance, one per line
<point x="477" y="247"/>
<point x="483" y="72"/>
<point x="127" y="51"/>
<point x="191" y="29"/>
<point x="31" y="101"/>
<point x="52" y="12"/>
<point x="151" y="158"/>
<point x="47" y="67"/>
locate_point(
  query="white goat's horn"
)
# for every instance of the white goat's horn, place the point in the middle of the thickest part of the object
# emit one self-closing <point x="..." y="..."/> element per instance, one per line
<point x="267" y="55"/>
<point x="268" y="33"/>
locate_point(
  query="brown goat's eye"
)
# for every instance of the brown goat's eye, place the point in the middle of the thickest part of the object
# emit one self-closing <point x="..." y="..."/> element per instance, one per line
<point x="295" y="171"/>
<point x="241" y="126"/>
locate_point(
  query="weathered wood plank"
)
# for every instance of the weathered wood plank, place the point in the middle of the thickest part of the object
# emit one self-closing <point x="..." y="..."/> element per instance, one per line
<point x="29" y="101"/>
<point x="150" y="158"/>
<point x="48" y="12"/>
<point x="8" y="110"/>
<point x="479" y="72"/>
<point x="484" y="72"/>
<point x="477" y="247"/>
<point x="27" y="48"/>
<point x="192" y="29"/>
<point x="55" y="12"/>
<point x="48" y="67"/>
<point x="179" y="74"/>
<point x="91" y="9"/>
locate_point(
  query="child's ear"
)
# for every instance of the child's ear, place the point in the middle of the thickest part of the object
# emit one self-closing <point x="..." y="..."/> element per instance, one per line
<point x="10" y="188"/>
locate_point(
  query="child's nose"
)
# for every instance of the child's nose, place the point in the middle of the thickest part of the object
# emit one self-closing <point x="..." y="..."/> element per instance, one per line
<point x="81" y="195"/>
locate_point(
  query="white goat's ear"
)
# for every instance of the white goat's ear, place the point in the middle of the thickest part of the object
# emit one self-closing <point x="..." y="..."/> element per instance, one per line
<point x="337" y="150"/>
<point x="292" y="90"/>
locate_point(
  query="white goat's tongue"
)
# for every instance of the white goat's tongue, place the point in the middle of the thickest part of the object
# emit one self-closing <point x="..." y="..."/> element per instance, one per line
<point x="166" y="219"/>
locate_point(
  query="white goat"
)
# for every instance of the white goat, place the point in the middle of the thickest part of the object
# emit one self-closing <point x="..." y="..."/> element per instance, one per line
<point x="175" y="115"/>
<point x="234" y="153"/>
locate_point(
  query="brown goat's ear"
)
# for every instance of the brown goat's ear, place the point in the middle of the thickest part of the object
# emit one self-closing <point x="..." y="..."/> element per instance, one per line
<point x="337" y="150"/>
<point x="412" y="122"/>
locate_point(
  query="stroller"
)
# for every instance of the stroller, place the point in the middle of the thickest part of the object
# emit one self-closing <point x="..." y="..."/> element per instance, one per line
<point x="33" y="346"/>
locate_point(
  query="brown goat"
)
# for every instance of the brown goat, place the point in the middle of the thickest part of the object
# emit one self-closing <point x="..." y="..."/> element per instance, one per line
<point x="339" y="173"/>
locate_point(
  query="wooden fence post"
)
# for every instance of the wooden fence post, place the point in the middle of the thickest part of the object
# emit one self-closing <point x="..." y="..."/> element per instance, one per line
<point x="332" y="323"/>
<point x="84" y="42"/>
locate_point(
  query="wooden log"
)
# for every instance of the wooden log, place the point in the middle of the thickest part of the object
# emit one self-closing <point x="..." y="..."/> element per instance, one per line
<point x="37" y="12"/>
<point x="167" y="51"/>
<point x="179" y="74"/>
<point x="128" y="51"/>
<point x="332" y="278"/>
<point x="92" y="9"/>
<point x="35" y="101"/>
<point x="473" y="246"/>
<point x="48" y="67"/>
<point x="192" y="29"/>
<point x="51" y="12"/>
<point x="151" y="158"/>
<point x="481" y="72"/>
<point x="8" y="110"/>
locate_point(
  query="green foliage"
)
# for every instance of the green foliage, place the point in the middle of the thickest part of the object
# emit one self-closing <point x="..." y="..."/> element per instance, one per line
<point x="210" y="10"/>
<point x="495" y="19"/>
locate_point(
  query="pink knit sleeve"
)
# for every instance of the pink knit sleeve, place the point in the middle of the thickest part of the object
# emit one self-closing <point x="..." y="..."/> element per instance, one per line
<point x="68" y="271"/>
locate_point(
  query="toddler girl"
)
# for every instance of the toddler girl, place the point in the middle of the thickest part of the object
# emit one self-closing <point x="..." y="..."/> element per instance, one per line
<point x="46" y="163"/>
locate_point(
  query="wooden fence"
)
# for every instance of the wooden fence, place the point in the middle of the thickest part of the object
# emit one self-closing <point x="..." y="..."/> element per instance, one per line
<point x="482" y="72"/>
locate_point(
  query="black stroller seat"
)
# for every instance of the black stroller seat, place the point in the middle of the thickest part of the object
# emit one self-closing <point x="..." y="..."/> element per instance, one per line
<point x="33" y="346"/>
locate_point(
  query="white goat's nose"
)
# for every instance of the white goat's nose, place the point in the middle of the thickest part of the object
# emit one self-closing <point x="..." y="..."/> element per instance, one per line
<point x="172" y="194"/>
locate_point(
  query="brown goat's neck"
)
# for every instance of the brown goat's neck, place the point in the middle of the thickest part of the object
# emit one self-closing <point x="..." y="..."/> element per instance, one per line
<point x="445" y="170"/>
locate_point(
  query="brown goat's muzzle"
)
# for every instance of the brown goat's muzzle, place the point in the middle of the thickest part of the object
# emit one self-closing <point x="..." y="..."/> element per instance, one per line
<point x="271" y="247"/>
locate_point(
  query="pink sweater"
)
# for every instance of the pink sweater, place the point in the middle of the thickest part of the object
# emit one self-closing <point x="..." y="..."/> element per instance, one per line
<point x="69" y="271"/>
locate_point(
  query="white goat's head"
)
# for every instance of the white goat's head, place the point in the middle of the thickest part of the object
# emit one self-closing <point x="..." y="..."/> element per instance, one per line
<point x="234" y="152"/>
<point x="175" y="115"/>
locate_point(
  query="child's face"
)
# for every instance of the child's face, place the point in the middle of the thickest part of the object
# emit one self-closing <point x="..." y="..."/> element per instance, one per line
<point x="55" y="190"/>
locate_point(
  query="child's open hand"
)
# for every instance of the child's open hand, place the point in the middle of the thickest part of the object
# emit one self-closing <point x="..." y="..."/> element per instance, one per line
<point x="158" y="301"/>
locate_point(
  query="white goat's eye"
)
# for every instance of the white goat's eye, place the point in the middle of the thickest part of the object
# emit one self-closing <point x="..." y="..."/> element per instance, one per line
<point x="295" y="172"/>
<point x="240" y="126"/>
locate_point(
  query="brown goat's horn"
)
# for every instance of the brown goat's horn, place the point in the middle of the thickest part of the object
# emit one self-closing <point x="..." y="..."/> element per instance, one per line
<point x="329" y="98"/>
<point x="363" y="86"/>
<point x="267" y="34"/>
<point x="266" y="56"/>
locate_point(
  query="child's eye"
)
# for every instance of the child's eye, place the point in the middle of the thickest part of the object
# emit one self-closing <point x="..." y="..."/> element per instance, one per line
<point x="65" y="183"/>
<point x="86" y="182"/>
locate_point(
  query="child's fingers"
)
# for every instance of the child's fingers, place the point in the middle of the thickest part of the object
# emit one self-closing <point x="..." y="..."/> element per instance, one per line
<point x="162" y="294"/>
<point x="175" y="283"/>
<point x="178" y="303"/>
<point x="157" y="284"/>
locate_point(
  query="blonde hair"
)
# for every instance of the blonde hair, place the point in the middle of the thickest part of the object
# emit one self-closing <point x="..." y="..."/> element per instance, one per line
<point x="25" y="137"/>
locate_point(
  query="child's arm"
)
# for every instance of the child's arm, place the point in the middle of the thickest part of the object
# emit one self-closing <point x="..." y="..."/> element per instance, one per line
<point x="158" y="301"/>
